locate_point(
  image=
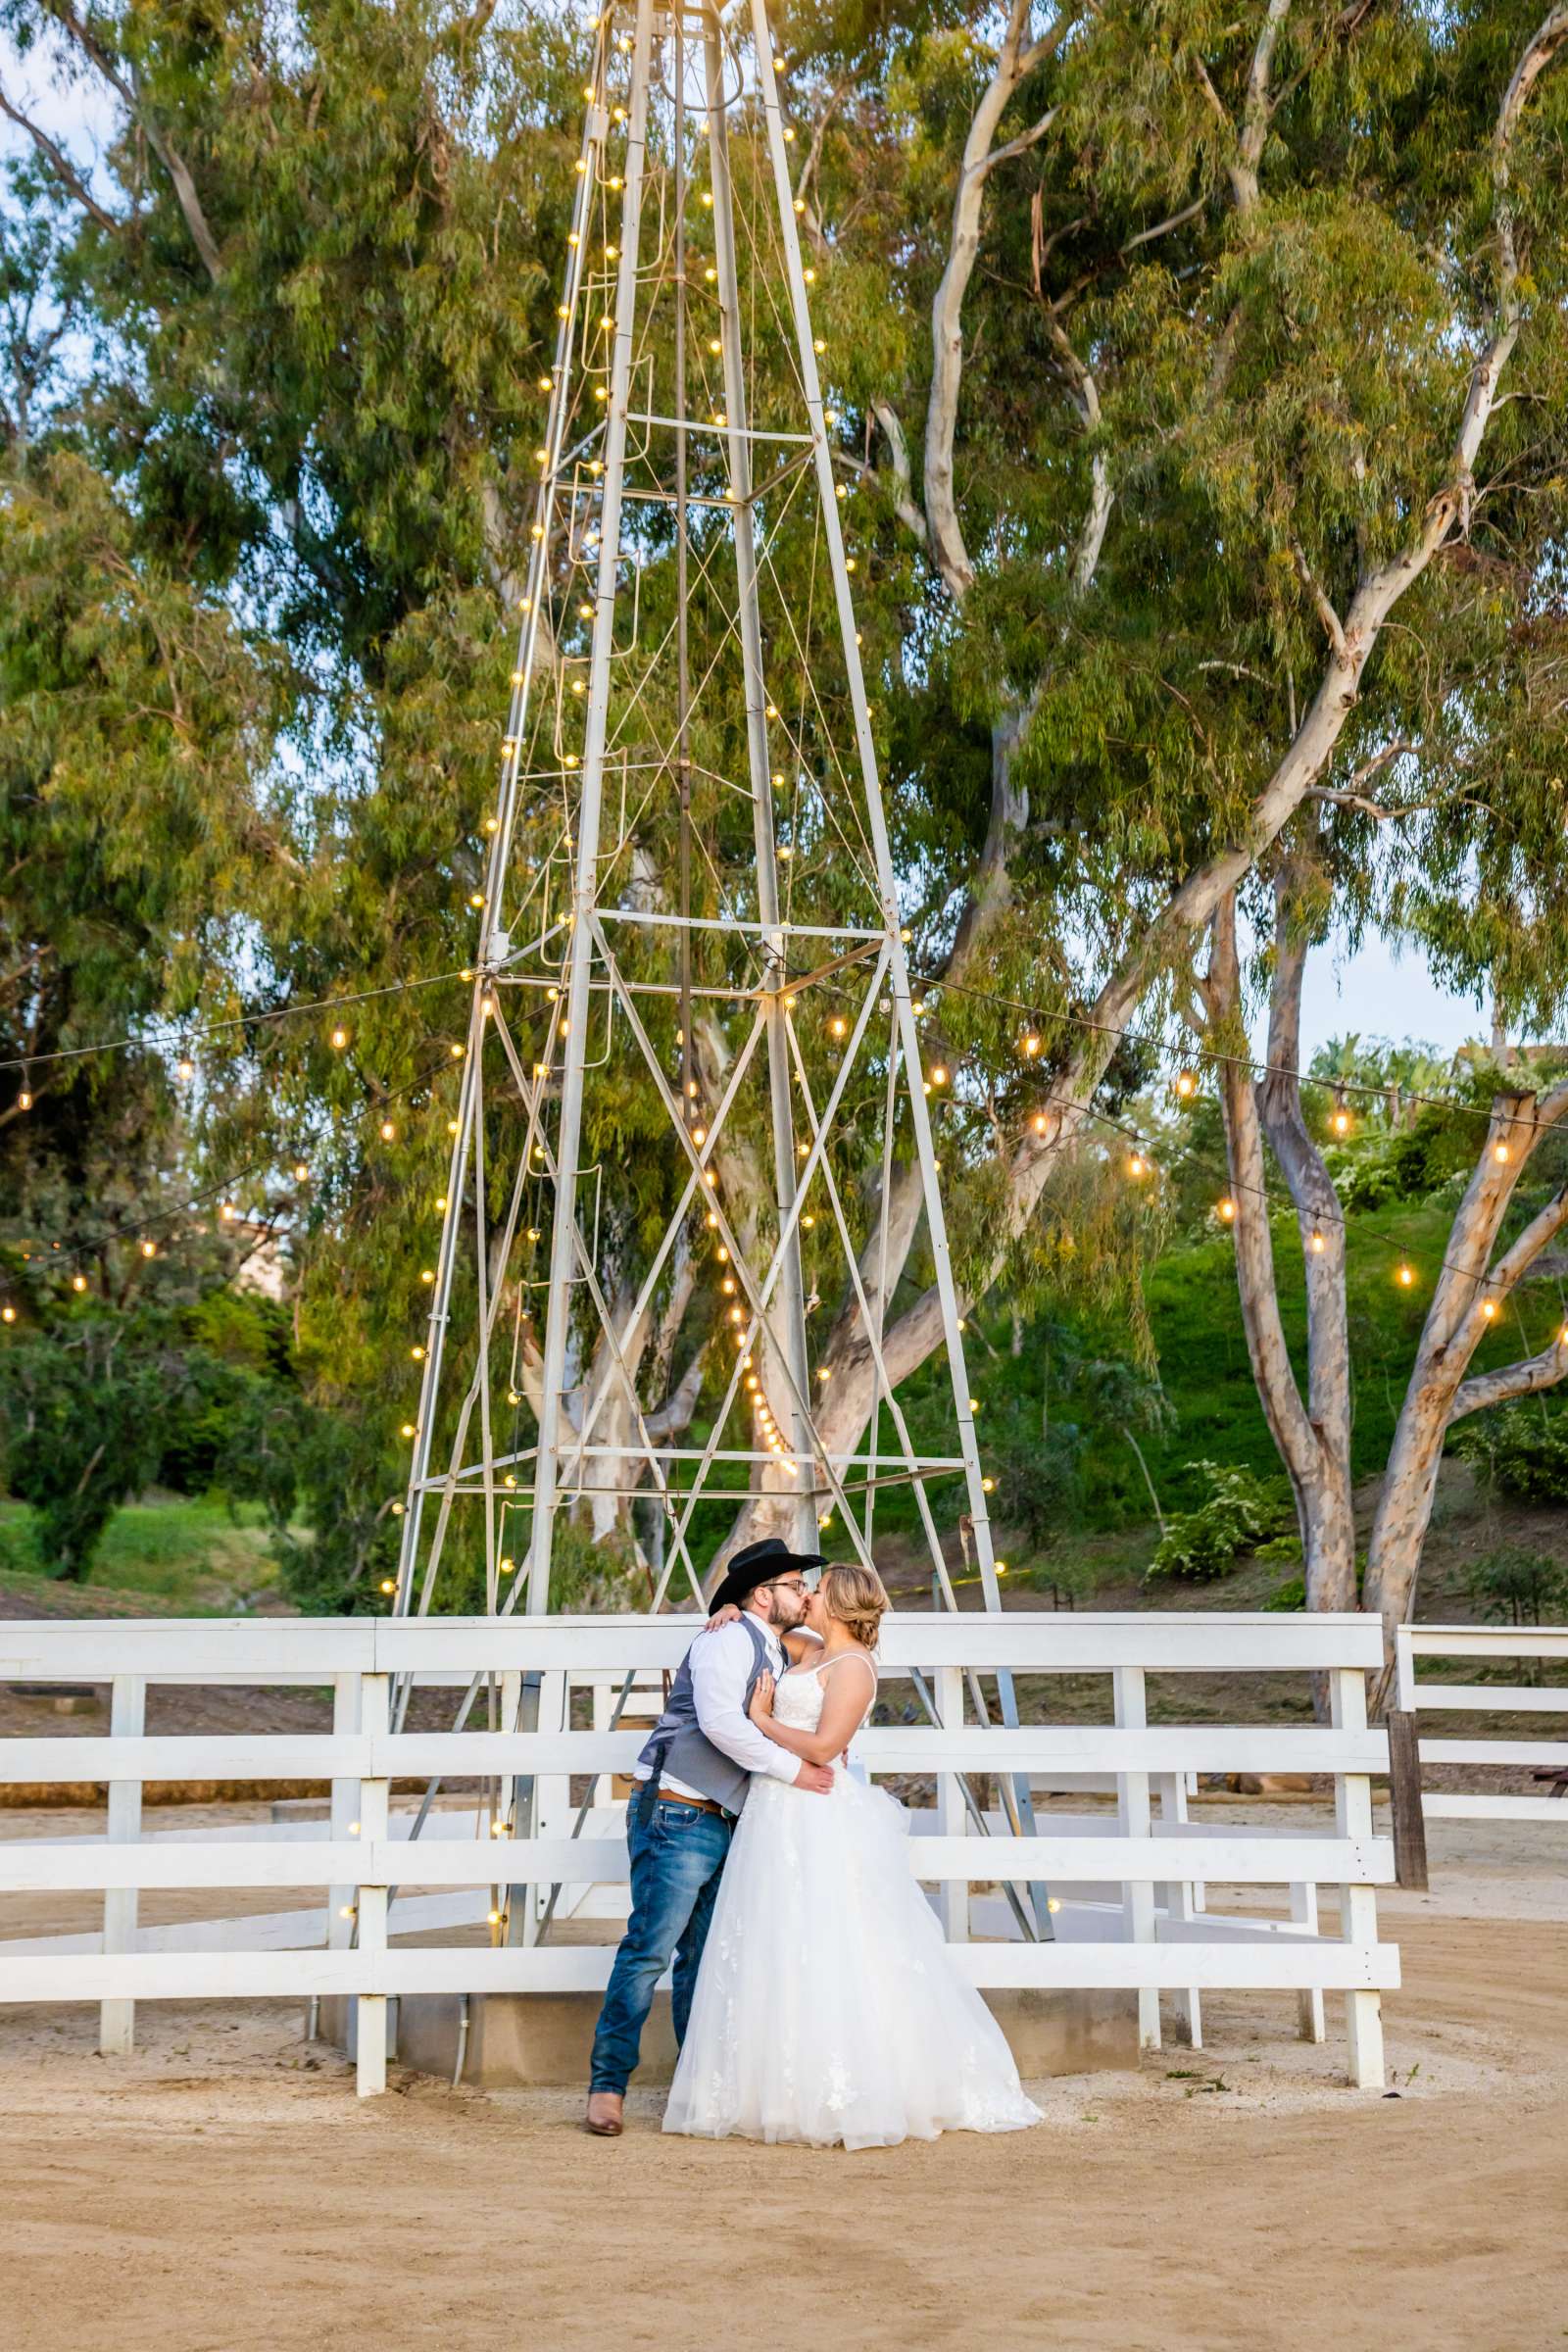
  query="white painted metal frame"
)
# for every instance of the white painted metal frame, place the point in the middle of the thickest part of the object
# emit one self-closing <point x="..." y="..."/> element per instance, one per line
<point x="1490" y="1645"/>
<point x="1125" y="1940"/>
<point x="739" y="86"/>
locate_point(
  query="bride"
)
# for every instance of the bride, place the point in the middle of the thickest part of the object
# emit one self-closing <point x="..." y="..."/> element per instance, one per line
<point x="827" y="2007"/>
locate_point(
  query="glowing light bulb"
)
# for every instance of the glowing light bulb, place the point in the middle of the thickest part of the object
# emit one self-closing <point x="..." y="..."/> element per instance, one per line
<point x="1489" y="1310"/>
<point x="1186" y="1083"/>
<point x="185" y="1069"/>
<point x="149" y="1248"/>
<point x="1405" y="1277"/>
<point x="340" y="1037"/>
<point x="1341" y="1122"/>
<point x="1137" y="1165"/>
<point x="388" y="1132"/>
<point x="938" y="1076"/>
<point x="78" y="1282"/>
<point x="1499" y="1152"/>
<point x="418" y="1355"/>
<point x="1317" y="1245"/>
<point x="8" y="1314"/>
<point x="1226" y="1212"/>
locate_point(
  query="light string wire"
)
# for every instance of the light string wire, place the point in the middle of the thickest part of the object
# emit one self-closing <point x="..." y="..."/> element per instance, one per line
<point x="185" y="1035"/>
<point x="234" y="1181"/>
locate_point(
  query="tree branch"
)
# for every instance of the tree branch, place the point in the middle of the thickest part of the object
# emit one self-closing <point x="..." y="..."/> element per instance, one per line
<point x="87" y="41"/>
<point x="1013" y="64"/>
<point x="63" y="165"/>
<point x="1523" y="1378"/>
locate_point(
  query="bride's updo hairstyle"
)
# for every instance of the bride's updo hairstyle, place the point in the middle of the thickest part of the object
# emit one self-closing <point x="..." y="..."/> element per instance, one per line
<point x="855" y="1597"/>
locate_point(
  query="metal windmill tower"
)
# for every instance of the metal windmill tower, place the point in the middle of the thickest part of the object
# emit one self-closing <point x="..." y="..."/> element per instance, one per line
<point x="690" y="891"/>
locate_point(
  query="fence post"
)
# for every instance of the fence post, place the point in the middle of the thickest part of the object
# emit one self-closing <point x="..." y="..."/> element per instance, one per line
<point x="128" y="1720"/>
<point x="1309" y="2000"/>
<point x="1133" y="1820"/>
<point x="371" y="2007"/>
<point x="1182" y="1899"/>
<point x="953" y="1894"/>
<point x="1405" y="1801"/>
<point x="345" y="1811"/>
<point x="1359" y="1910"/>
<point x="552" y="1810"/>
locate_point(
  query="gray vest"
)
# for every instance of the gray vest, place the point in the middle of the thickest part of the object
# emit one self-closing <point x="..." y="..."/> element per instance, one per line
<point x="677" y="1744"/>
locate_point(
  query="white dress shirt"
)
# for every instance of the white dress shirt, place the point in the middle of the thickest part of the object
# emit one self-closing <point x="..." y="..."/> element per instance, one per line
<point x="721" y="1668"/>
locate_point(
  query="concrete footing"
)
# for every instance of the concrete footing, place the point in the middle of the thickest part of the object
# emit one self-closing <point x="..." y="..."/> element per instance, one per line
<point x="541" y="2041"/>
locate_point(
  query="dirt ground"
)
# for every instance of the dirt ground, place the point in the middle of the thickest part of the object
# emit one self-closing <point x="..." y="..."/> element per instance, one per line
<point x="223" y="2190"/>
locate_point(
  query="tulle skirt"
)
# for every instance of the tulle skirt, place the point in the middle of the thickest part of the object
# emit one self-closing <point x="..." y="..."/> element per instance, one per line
<point x="827" y="2007"/>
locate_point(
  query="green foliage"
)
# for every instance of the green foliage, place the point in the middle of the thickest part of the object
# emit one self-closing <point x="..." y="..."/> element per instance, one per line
<point x="1519" y="1449"/>
<point x="262" y="518"/>
<point x="1520" y="1586"/>
<point x="1290" y="1595"/>
<point x="79" y="1423"/>
<point x="1042" y="1481"/>
<point x="1235" y="1511"/>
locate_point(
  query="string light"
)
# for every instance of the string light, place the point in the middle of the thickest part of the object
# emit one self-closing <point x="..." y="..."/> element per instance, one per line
<point x="1226" y="1212"/>
<point x="1489" y="1310"/>
<point x="1186" y="1083"/>
<point x="78" y="1282"/>
<point x="340" y="1037"/>
<point x="8" y="1313"/>
<point x="388" y="1132"/>
<point x="1405" y="1275"/>
<point x="1499" y="1152"/>
<point x="1317" y="1243"/>
<point x="24" y="1100"/>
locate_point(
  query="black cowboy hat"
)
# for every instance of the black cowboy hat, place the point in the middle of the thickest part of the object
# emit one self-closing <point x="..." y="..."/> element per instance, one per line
<point x="758" y="1564"/>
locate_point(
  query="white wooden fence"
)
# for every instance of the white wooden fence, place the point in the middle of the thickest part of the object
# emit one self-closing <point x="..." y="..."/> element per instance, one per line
<point x="1490" y="1645"/>
<point x="1130" y="1908"/>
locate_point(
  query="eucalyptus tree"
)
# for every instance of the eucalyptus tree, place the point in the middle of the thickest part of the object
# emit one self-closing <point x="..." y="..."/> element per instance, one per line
<point x="1173" y="353"/>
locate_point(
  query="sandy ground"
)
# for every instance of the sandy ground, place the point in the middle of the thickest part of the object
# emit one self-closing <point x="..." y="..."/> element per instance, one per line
<point x="222" y="2189"/>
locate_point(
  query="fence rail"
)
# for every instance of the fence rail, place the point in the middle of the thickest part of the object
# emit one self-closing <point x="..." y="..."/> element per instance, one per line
<point x="1130" y="1902"/>
<point x="1506" y="1645"/>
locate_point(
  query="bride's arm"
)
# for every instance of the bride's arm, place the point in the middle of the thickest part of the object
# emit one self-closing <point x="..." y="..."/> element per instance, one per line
<point x="842" y="1705"/>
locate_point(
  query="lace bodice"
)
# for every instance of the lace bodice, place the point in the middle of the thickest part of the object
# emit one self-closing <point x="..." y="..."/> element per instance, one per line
<point x="798" y="1695"/>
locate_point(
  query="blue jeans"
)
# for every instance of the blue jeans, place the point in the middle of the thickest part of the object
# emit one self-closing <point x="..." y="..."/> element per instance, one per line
<point x="676" y="1859"/>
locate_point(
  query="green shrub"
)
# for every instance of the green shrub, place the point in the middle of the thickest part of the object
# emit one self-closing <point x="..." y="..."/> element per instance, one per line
<point x="1519" y="1585"/>
<point x="1520" y="1450"/>
<point x="1291" y="1595"/>
<point x="1237" y="1511"/>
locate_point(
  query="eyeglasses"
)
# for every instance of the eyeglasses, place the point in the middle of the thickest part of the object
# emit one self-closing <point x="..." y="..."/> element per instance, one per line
<point x="791" y="1584"/>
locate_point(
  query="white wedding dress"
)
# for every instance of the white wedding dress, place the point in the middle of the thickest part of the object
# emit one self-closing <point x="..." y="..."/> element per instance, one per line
<point x="827" y="2007"/>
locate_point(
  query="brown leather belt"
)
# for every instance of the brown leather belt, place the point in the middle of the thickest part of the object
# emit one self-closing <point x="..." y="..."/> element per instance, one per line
<point x="697" y="1804"/>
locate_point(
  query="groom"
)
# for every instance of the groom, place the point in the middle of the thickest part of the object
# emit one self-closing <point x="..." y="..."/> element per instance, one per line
<point x="692" y="1777"/>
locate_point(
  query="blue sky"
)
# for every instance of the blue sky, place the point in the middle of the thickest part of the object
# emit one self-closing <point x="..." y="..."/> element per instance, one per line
<point x="1382" y="995"/>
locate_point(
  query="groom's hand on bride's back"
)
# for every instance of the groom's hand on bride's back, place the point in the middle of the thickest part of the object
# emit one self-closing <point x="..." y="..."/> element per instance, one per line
<point x="818" y="1778"/>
